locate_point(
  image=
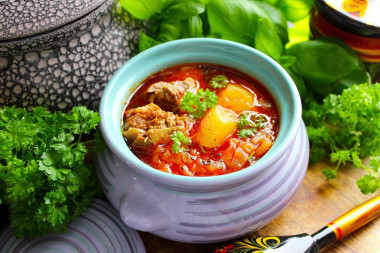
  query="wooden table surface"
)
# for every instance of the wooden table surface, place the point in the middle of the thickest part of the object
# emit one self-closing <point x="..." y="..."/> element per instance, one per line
<point x="316" y="204"/>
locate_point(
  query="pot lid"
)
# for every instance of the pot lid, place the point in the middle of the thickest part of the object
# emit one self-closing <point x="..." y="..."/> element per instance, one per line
<point x="22" y="18"/>
<point x="358" y="16"/>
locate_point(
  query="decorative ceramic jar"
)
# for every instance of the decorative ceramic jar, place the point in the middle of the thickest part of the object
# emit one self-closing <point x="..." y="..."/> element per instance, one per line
<point x="202" y="209"/>
<point x="356" y="22"/>
<point x="59" y="54"/>
<point x="97" y="229"/>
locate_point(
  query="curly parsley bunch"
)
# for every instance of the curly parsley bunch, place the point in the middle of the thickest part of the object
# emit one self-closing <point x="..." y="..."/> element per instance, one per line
<point x="347" y="128"/>
<point x="43" y="178"/>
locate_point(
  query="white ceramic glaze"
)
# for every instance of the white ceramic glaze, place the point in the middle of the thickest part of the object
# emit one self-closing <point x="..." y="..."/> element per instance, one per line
<point x="202" y="209"/>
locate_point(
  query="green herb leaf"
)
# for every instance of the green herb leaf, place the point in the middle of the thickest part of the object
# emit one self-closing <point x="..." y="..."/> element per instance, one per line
<point x="278" y="19"/>
<point x="192" y="27"/>
<point x="368" y="184"/>
<point x="43" y="178"/>
<point x="143" y="9"/>
<point x="197" y="104"/>
<point x="146" y="42"/>
<point x="218" y="82"/>
<point x="327" y="65"/>
<point x="176" y="10"/>
<point x="100" y="143"/>
<point x="330" y="173"/>
<point x="245" y="133"/>
<point x="178" y="140"/>
<point x="267" y="39"/>
<point x="244" y="120"/>
<point x="234" y="20"/>
<point x="295" y="10"/>
<point x="299" y="82"/>
<point x="346" y="127"/>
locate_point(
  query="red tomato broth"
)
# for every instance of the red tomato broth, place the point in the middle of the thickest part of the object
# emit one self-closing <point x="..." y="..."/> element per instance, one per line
<point x="201" y="161"/>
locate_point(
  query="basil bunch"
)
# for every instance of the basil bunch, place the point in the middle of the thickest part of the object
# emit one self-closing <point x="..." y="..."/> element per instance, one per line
<point x="327" y="65"/>
<point x="319" y="67"/>
<point x="260" y="24"/>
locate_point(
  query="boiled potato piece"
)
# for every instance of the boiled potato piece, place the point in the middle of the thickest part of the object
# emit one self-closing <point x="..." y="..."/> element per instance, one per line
<point x="237" y="98"/>
<point x="216" y="126"/>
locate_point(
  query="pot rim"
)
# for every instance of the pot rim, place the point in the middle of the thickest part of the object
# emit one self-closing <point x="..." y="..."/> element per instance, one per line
<point x="113" y="100"/>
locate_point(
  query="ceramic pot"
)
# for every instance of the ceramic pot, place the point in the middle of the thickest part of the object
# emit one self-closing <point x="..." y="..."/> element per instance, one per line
<point x="97" y="229"/>
<point x="59" y="54"/>
<point x="202" y="209"/>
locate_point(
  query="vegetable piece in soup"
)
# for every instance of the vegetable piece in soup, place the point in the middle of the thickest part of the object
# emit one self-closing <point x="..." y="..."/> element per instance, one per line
<point x="200" y="120"/>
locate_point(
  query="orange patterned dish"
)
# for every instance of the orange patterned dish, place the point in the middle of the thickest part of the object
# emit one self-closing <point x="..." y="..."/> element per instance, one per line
<point x="356" y="22"/>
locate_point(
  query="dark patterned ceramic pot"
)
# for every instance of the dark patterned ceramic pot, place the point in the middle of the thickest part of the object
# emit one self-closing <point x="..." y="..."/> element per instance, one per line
<point x="59" y="54"/>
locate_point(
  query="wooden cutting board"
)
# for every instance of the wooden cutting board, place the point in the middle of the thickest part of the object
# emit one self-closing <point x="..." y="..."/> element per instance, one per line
<point x="317" y="203"/>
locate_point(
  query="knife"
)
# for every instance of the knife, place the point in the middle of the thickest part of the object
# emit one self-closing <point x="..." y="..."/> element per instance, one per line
<point x="304" y="243"/>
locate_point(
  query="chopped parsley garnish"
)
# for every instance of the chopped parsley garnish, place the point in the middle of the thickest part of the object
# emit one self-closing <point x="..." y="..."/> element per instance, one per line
<point x="197" y="104"/>
<point x="245" y="133"/>
<point x="218" y="82"/>
<point x="244" y="121"/>
<point x="249" y="127"/>
<point x="178" y="140"/>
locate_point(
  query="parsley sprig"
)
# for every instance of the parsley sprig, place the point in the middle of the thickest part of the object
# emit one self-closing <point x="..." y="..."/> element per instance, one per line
<point x="346" y="127"/>
<point x="197" y="104"/>
<point x="218" y="82"/>
<point x="178" y="140"/>
<point x="248" y="126"/>
<point x="44" y="180"/>
<point x="245" y="133"/>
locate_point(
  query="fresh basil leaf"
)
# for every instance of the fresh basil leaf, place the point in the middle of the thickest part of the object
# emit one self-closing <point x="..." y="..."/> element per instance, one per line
<point x="234" y="20"/>
<point x="143" y="9"/>
<point x="299" y="82"/>
<point x="295" y="10"/>
<point x="278" y="18"/>
<point x="272" y="2"/>
<point x="357" y="75"/>
<point x="287" y="60"/>
<point x="328" y="65"/>
<point x="192" y="27"/>
<point x="169" y="31"/>
<point x="267" y="40"/>
<point x="176" y="10"/>
<point x="146" y="42"/>
<point x="323" y="60"/>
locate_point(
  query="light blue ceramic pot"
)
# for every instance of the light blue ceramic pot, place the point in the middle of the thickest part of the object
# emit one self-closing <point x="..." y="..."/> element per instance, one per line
<point x="202" y="209"/>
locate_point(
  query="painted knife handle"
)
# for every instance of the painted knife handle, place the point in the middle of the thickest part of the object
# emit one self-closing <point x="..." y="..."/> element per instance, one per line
<point x="348" y="222"/>
<point x="355" y="218"/>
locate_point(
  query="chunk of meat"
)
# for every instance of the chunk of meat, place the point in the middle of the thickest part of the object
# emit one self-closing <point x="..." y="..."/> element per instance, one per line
<point x="168" y="96"/>
<point x="148" y="125"/>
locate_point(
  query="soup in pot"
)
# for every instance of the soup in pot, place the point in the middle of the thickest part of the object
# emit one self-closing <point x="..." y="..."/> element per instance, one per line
<point x="200" y="120"/>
